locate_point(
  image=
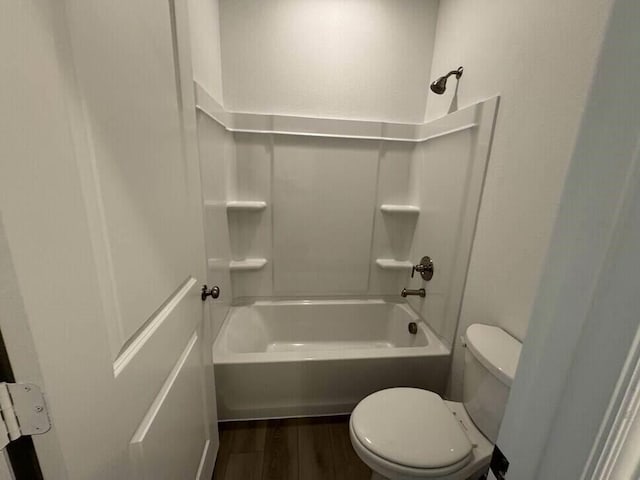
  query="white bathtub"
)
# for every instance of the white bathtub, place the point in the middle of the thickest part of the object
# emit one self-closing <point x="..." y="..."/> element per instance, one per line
<point x="320" y="357"/>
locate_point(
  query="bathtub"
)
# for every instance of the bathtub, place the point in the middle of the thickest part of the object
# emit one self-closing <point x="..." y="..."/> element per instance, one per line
<point x="275" y="359"/>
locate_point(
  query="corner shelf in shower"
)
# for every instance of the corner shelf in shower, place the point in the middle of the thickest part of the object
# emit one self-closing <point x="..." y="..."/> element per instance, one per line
<point x="247" y="264"/>
<point x="392" y="208"/>
<point x="391" y="264"/>
<point x="246" y="205"/>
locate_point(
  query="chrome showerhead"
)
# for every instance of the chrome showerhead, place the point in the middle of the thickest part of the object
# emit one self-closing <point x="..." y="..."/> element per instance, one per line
<point x="440" y="85"/>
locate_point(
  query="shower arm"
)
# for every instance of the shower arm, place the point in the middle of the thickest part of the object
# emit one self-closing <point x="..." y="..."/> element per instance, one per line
<point x="457" y="72"/>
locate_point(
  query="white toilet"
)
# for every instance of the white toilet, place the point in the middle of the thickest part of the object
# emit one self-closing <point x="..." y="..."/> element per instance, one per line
<point x="410" y="433"/>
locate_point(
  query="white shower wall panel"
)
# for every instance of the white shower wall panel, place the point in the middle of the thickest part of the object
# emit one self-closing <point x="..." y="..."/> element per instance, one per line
<point x="393" y="233"/>
<point x="215" y="149"/>
<point x="324" y="201"/>
<point x="449" y="177"/>
<point x="442" y="172"/>
<point x="215" y="146"/>
<point x="251" y="231"/>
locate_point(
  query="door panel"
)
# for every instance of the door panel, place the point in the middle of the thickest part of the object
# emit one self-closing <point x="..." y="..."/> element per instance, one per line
<point x="156" y="349"/>
<point x="156" y="451"/>
<point x="124" y="59"/>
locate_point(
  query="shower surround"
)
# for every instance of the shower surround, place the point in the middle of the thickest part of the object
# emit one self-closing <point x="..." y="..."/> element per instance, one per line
<point x="326" y="218"/>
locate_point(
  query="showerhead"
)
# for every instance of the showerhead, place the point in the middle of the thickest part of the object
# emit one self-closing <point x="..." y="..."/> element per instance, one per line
<point x="440" y="85"/>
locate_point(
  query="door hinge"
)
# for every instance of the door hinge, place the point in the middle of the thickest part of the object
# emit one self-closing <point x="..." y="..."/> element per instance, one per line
<point x="22" y="412"/>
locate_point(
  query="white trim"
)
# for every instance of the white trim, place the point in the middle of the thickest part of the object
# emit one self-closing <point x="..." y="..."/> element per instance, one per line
<point x="205" y="462"/>
<point x="627" y="417"/>
<point x="240" y="122"/>
<point x="154" y="409"/>
<point x="623" y="412"/>
<point x="152" y="325"/>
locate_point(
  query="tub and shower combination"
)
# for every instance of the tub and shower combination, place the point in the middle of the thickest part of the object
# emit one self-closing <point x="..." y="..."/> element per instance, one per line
<point x="320" y="357"/>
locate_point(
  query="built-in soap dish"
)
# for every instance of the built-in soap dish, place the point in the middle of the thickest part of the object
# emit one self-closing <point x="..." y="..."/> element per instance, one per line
<point x="405" y="209"/>
<point x="391" y="264"/>
<point x="247" y="264"/>
<point x="245" y="205"/>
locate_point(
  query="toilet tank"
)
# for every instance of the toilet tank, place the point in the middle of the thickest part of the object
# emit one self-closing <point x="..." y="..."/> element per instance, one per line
<point x="490" y="363"/>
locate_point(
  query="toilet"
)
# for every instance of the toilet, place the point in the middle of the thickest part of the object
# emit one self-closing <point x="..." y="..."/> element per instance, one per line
<point x="411" y="433"/>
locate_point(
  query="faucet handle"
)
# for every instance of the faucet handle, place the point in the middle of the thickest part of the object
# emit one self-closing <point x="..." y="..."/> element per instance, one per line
<point x="425" y="268"/>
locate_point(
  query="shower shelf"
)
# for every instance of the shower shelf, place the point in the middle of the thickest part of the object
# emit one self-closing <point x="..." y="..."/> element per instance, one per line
<point x="391" y="264"/>
<point x="391" y="208"/>
<point x="246" y="205"/>
<point x="247" y="264"/>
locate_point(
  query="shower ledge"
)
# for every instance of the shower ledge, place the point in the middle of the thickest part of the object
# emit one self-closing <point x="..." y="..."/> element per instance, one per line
<point x="392" y="208"/>
<point x="246" y="205"/>
<point x="247" y="264"/>
<point x="391" y="264"/>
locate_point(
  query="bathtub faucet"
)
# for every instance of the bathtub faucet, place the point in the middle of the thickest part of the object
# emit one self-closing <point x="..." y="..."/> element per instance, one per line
<point x="419" y="292"/>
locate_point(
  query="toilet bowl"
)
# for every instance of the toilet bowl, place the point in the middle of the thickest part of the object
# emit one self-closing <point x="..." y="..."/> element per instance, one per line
<point x="411" y="433"/>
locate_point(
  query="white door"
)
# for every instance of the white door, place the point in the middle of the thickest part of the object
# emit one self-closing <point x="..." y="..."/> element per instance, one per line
<point x="101" y="236"/>
<point x="5" y="469"/>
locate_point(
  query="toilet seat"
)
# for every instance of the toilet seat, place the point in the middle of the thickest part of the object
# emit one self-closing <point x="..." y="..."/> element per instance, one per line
<point x="396" y="471"/>
<point x="410" y="431"/>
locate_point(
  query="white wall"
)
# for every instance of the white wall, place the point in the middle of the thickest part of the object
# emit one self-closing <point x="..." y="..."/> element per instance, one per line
<point x="331" y="58"/>
<point x="539" y="56"/>
<point x="206" y="59"/>
<point x="585" y="316"/>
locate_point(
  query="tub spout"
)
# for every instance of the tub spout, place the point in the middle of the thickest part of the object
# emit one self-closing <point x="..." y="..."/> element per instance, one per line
<point x="408" y="292"/>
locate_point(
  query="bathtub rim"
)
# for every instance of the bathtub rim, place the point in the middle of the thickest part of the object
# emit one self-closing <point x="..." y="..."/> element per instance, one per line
<point x="435" y="346"/>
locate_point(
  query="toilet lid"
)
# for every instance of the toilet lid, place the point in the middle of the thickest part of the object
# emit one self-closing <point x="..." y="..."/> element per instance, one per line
<point x="411" y="427"/>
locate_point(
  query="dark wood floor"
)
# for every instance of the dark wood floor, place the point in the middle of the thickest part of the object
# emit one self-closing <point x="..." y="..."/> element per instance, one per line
<point x="292" y="449"/>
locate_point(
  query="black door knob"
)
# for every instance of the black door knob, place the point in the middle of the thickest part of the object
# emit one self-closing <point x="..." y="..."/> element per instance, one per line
<point x="213" y="292"/>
